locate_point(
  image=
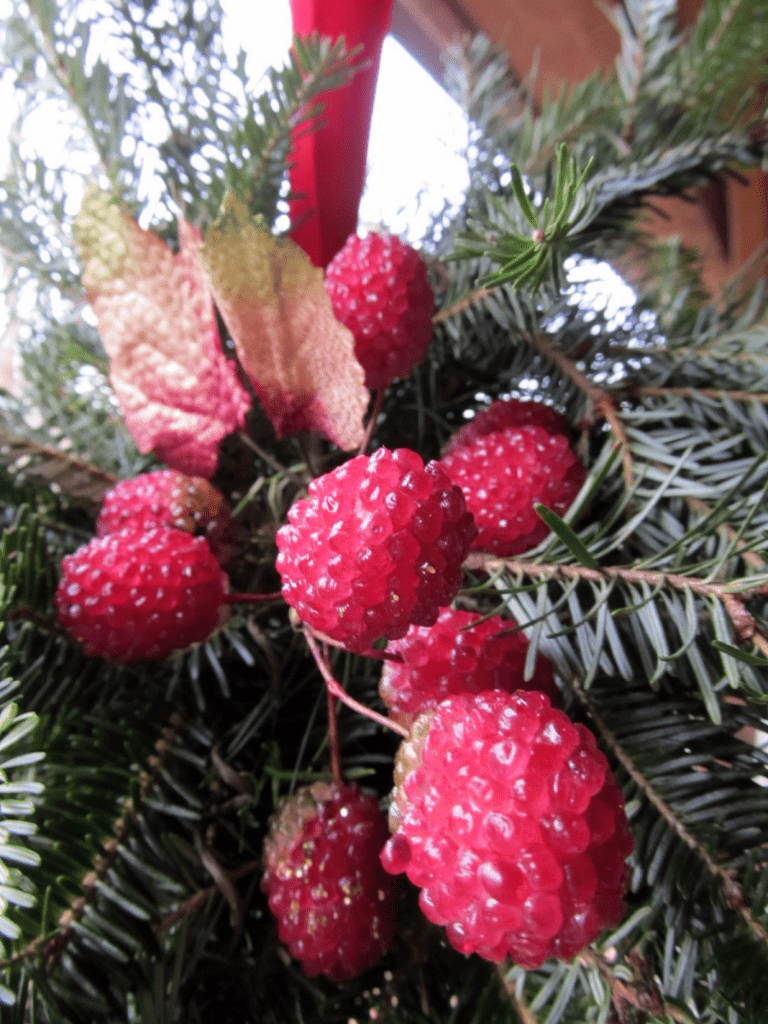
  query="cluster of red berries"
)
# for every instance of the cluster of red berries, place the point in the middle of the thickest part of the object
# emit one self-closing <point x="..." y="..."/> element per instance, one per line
<point x="146" y="585"/>
<point x="504" y="812"/>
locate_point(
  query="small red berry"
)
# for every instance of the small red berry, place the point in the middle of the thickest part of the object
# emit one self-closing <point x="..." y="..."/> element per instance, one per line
<point x="461" y="653"/>
<point x="333" y="902"/>
<point x="505" y="413"/>
<point x="504" y="474"/>
<point x="508" y="818"/>
<point x="376" y="547"/>
<point x="141" y="593"/>
<point x="166" y="497"/>
<point x="379" y="290"/>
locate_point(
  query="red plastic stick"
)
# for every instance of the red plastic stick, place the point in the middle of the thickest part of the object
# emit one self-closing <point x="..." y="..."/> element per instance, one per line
<point x="329" y="168"/>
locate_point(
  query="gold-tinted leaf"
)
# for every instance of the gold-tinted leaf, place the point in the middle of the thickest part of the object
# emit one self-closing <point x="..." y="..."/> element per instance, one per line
<point x="299" y="358"/>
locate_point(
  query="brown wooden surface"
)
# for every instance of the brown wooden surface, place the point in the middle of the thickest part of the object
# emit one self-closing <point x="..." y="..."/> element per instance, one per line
<point x="569" y="39"/>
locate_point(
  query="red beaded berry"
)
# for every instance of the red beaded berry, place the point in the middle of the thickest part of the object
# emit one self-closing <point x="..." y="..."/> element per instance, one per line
<point x="511" y="412"/>
<point x="166" y="497"/>
<point x="141" y="593"/>
<point x="461" y="653"/>
<point x="376" y="547"/>
<point x="379" y="290"/>
<point x="504" y="474"/>
<point x="507" y="817"/>
<point x="324" y="881"/>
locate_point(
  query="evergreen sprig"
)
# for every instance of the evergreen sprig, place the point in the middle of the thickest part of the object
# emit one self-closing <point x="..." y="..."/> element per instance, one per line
<point x="137" y="897"/>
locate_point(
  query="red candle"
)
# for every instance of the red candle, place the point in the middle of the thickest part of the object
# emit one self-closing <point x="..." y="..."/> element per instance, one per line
<point x="329" y="165"/>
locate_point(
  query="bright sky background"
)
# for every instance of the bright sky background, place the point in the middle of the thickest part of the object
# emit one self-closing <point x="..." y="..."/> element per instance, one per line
<point x="417" y="133"/>
<point x="417" y="130"/>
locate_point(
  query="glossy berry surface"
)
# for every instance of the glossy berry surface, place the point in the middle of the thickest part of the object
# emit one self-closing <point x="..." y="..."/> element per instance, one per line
<point x="376" y="547"/>
<point x="166" y="497"/>
<point x="141" y="593"/>
<point x="379" y="290"/>
<point x="504" y="474"/>
<point x="507" y="817"/>
<point x="512" y="412"/>
<point x="461" y="653"/>
<point x="324" y="881"/>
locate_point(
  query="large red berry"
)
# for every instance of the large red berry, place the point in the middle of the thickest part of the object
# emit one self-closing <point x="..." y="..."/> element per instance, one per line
<point x="141" y="593"/>
<point x="504" y="474"/>
<point x="507" y="817"/>
<point x="379" y="289"/>
<point x="461" y="653"/>
<point x="166" y="497"/>
<point x="324" y="881"/>
<point x="509" y="413"/>
<point x="376" y="547"/>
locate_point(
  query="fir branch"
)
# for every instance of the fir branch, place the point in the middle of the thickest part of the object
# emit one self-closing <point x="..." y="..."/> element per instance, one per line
<point x="601" y="401"/>
<point x="461" y="305"/>
<point x="737" y="396"/>
<point x="55" y="946"/>
<point x="25" y="457"/>
<point x="728" y="885"/>
<point x="744" y="623"/>
<point x="752" y="559"/>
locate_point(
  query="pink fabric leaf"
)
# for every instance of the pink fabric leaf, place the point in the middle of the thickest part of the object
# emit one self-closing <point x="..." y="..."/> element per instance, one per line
<point x="179" y="393"/>
<point x="299" y="358"/>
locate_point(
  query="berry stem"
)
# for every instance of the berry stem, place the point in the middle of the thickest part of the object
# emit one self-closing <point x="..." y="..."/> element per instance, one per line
<point x="338" y="691"/>
<point x="372" y="652"/>
<point x="333" y="738"/>
<point x="252" y="598"/>
<point x="378" y="401"/>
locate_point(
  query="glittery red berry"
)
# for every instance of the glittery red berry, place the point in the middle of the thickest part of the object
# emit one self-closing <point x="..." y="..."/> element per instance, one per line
<point x="376" y="547"/>
<point x="509" y="413"/>
<point x="333" y="902"/>
<point x="379" y="289"/>
<point x="507" y="817"/>
<point x="504" y="474"/>
<point x="455" y="656"/>
<point x="141" y="593"/>
<point x="166" y="497"/>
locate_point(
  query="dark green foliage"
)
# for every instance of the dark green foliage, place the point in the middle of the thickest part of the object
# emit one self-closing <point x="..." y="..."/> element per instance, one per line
<point x="139" y="795"/>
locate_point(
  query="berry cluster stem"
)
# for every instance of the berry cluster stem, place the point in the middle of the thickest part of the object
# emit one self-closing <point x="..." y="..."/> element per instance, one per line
<point x="336" y="690"/>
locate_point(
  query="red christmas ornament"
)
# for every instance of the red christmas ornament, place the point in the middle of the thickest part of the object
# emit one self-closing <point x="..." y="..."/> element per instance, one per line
<point x="329" y="165"/>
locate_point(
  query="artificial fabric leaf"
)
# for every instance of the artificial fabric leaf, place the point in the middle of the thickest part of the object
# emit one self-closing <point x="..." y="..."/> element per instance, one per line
<point x="179" y="393"/>
<point x="299" y="358"/>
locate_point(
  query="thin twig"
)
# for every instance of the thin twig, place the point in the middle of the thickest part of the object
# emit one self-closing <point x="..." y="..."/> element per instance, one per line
<point x="737" y="396"/>
<point x="190" y="906"/>
<point x="341" y="693"/>
<point x="653" y="577"/>
<point x="732" y="891"/>
<point x="276" y="595"/>
<point x="265" y="455"/>
<point x="642" y="996"/>
<point x="602" y="401"/>
<point x="753" y="560"/>
<point x="333" y="738"/>
<point x="378" y="401"/>
<point x="526" y="1016"/>
<point x="460" y="305"/>
<point x="733" y="594"/>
